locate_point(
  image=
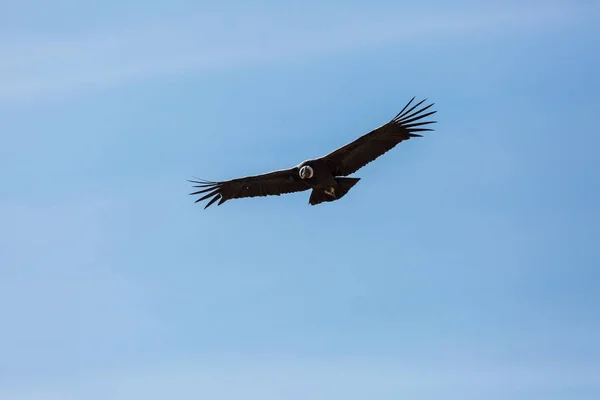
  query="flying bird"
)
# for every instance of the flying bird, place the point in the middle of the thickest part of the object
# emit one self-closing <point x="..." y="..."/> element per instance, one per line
<point x="326" y="176"/>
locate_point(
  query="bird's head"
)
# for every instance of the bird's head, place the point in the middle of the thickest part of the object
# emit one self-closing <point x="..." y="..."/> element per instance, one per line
<point x="306" y="172"/>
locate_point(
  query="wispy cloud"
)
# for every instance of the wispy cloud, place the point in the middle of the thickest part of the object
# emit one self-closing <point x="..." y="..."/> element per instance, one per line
<point x="35" y="67"/>
<point x="321" y="379"/>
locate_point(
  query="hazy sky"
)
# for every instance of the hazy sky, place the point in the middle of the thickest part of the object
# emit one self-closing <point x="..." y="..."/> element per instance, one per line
<point x="464" y="265"/>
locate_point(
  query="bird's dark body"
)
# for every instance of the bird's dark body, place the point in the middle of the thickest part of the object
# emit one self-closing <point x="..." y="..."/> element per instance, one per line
<point x="325" y="186"/>
<point x="326" y="176"/>
<point x="322" y="174"/>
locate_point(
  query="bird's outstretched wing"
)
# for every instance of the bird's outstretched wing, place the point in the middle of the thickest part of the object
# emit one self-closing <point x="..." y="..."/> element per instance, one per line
<point x="270" y="184"/>
<point x="353" y="156"/>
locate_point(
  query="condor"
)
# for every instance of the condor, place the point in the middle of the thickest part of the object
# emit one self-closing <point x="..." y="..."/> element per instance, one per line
<point x="326" y="176"/>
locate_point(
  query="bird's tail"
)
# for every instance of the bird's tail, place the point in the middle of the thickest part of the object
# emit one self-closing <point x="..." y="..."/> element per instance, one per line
<point x="343" y="186"/>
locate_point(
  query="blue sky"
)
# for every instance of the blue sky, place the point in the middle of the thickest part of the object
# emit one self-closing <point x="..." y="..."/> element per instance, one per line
<point x="463" y="265"/>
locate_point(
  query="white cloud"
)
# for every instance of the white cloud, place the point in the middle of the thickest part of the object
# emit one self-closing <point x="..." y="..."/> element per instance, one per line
<point x="35" y="67"/>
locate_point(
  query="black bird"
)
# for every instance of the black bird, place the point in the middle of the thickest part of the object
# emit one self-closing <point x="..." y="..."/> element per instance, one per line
<point x="323" y="175"/>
